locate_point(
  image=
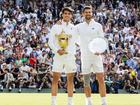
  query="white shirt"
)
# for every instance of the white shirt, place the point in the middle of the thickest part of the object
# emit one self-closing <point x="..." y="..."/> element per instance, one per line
<point x="69" y="29"/>
<point x="39" y="52"/>
<point x="129" y="37"/>
<point x="1" y="39"/>
<point x="44" y="38"/>
<point x="42" y="59"/>
<point x="29" y="50"/>
<point x="0" y="13"/>
<point x="87" y="33"/>
<point x="24" y="70"/>
<point x="8" y="77"/>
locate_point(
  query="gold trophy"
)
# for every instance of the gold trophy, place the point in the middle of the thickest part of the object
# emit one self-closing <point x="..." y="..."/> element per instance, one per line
<point x="63" y="40"/>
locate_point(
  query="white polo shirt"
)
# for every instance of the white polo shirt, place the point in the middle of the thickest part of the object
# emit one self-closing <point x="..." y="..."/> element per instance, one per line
<point x="68" y="29"/>
<point x="87" y="33"/>
<point x="63" y="63"/>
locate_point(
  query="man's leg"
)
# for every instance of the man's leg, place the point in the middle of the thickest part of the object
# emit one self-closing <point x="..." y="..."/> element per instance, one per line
<point x="87" y="89"/>
<point x="54" y="89"/>
<point x="102" y="87"/>
<point x="70" y="87"/>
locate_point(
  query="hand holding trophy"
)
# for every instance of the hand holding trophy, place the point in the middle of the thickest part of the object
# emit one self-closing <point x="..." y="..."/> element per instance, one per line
<point x="61" y="52"/>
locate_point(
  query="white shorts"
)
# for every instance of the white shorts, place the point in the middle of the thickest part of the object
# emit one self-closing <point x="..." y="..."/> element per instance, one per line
<point x="92" y="63"/>
<point x="64" y="63"/>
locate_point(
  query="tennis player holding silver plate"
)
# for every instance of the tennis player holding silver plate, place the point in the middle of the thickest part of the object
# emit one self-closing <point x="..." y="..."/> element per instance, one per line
<point x="92" y="45"/>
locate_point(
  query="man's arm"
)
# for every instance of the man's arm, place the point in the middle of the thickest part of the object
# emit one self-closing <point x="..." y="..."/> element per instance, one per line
<point x="101" y="34"/>
<point x="100" y="31"/>
<point x="51" y="41"/>
<point x="77" y="35"/>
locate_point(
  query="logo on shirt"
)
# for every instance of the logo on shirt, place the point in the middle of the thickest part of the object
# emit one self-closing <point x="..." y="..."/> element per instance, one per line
<point x="93" y="28"/>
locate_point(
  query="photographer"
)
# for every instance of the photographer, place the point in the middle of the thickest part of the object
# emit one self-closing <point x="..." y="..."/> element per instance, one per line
<point x="43" y="76"/>
<point x="9" y="80"/>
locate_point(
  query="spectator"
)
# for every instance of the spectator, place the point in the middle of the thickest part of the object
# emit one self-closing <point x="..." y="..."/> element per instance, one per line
<point x="9" y="80"/>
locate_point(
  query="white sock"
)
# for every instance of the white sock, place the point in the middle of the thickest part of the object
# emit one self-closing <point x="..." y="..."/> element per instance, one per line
<point x="88" y="101"/>
<point x="70" y="100"/>
<point x="103" y="99"/>
<point x="53" y="100"/>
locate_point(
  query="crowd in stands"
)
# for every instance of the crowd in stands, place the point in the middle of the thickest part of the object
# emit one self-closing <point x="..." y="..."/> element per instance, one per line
<point x="26" y="59"/>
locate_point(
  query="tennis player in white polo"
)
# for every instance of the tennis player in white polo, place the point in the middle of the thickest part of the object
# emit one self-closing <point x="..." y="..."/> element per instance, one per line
<point x="88" y="30"/>
<point x="62" y="42"/>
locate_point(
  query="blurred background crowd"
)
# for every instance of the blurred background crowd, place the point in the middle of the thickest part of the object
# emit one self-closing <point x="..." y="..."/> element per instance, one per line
<point x="26" y="59"/>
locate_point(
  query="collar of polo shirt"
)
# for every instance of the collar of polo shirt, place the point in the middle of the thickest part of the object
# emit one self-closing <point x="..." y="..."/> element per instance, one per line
<point x="65" y="23"/>
<point x="92" y="21"/>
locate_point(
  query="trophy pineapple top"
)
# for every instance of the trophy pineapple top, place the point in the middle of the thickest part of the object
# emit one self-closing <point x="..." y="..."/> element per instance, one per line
<point x="63" y="35"/>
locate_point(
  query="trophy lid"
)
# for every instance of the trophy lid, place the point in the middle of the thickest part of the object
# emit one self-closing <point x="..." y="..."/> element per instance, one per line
<point x="63" y="35"/>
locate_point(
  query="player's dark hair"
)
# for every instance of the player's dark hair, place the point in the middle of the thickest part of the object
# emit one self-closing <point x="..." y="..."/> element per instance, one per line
<point x="86" y="7"/>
